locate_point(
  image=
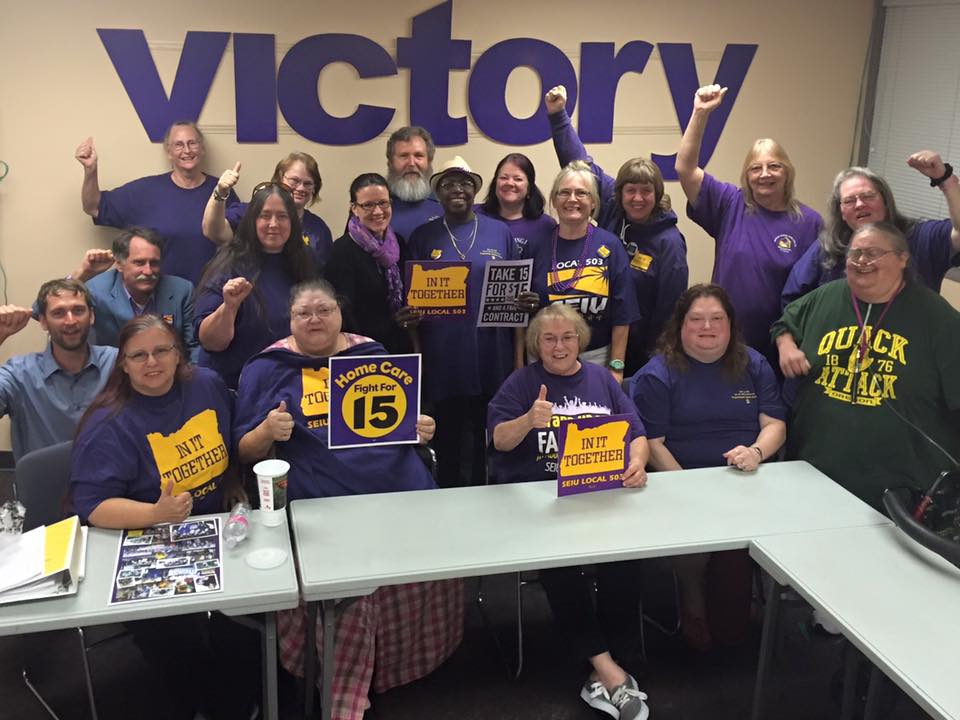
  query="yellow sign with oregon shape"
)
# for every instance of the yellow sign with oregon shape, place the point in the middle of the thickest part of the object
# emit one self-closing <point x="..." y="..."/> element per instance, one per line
<point x="444" y="287"/>
<point x="594" y="450"/>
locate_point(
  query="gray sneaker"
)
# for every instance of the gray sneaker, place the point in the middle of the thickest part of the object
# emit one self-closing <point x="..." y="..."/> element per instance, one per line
<point x="629" y="701"/>
<point x="596" y="696"/>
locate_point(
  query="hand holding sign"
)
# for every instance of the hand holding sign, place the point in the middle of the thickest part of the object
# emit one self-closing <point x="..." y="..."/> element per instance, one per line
<point x="426" y="428"/>
<point x="170" y="507"/>
<point x="541" y="412"/>
<point x="279" y="423"/>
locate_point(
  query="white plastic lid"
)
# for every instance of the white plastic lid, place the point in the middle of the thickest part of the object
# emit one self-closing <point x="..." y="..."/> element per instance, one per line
<point x="266" y="558"/>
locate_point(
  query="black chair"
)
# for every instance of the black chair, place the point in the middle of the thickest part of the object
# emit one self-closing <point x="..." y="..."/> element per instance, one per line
<point x="41" y="480"/>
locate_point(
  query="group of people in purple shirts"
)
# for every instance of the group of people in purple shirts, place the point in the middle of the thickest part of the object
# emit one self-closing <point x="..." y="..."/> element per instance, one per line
<point x="805" y="325"/>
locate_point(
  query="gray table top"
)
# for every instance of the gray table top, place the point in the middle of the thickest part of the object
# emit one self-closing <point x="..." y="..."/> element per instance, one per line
<point x="893" y="599"/>
<point x="246" y="590"/>
<point x="351" y="545"/>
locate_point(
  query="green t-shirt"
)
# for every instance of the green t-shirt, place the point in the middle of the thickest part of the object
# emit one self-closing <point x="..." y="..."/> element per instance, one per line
<point x="839" y="419"/>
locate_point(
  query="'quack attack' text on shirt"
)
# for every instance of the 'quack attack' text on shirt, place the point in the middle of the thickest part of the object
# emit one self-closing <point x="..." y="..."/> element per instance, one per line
<point x="865" y="378"/>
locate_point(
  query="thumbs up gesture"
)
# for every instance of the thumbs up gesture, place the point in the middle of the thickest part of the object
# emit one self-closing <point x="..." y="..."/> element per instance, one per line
<point x="541" y="411"/>
<point x="279" y="423"/>
<point x="170" y="507"/>
<point x="228" y="179"/>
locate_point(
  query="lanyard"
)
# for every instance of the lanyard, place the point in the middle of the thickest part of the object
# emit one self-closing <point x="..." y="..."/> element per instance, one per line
<point x="554" y="275"/>
<point x="861" y="323"/>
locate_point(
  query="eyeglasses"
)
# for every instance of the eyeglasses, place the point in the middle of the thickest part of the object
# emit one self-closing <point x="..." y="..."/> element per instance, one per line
<point x="701" y="321"/>
<point x="320" y="312"/>
<point x="865" y="197"/>
<point x="579" y="194"/>
<point x="159" y="353"/>
<point x="267" y="185"/>
<point x="294" y="181"/>
<point x="456" y="185"/>
<point x="180" y="146"/>
<point x="565" y="339"/>
<point x="369" y="207"/>
<point x="868" y="254"/>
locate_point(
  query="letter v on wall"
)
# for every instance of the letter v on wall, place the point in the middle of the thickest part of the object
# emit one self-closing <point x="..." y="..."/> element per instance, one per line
<point x="131" y="58"/>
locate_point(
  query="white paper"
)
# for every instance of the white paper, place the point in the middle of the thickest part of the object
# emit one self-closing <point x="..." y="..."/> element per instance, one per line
<point x="21" y="559"/>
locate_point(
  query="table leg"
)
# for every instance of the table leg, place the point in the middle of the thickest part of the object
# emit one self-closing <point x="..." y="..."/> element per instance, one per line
<point x="268" y="638"/>
<point x="767" y="643"/>
<point x="329" y="636"/>
<point x="310" y="660"/>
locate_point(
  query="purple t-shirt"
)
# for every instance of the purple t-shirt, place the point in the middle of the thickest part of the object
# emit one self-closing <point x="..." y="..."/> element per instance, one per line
<point x="526" y="233"/>
<point x="316" y="234"/>
<point x="315" y="470"/>
<point x="701" y="414"/>
<point x="931" y="255"/>
<point x="603" y="293"/>
<point x="176" y="213"/>
<point x="754" y="253"/>
<point x="257" y="325"/>
<point x="458" y="357"/>
<point x="183" y="435"/>
<point x="589" y="392"/>
<point x="408" y="216"/>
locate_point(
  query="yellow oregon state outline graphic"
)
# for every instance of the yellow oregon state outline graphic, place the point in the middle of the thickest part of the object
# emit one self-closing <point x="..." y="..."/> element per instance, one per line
<point x="315" y="399"/>
<point x="191" y="456"/>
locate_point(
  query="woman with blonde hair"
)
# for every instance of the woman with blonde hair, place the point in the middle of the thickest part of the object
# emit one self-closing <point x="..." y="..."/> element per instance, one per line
<point x="760" y="228"/>
<point x="586" y="267"/>
<point x="635" y="207"/>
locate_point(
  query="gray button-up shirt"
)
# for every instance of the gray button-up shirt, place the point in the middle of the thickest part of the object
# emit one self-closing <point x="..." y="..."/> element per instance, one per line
<point x="45" y="401"/>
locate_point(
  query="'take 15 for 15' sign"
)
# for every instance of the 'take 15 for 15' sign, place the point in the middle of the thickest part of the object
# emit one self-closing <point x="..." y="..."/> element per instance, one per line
<point x="430" y="54"/>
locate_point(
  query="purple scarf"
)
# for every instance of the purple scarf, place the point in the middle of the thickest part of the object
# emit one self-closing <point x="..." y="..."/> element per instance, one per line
<point x="386" y="252"/>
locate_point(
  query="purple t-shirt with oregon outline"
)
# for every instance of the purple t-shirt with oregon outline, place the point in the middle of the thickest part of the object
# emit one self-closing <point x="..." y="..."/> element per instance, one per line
<point x="700" y="413"/>
<point x="603" y="293"/>
<point x="754" y="254"/>
<point x="589" y="392"/>
<point x="183" y="435"/>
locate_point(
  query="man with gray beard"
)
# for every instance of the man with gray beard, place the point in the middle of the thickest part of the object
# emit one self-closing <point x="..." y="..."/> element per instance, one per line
<point x="409" y="167"/>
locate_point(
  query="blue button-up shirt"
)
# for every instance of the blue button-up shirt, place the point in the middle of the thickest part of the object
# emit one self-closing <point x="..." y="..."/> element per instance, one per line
<point x="44" y="401"/>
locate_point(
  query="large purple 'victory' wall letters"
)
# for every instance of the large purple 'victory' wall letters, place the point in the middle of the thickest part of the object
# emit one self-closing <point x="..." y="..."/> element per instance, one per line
<point x="429" y="54"/>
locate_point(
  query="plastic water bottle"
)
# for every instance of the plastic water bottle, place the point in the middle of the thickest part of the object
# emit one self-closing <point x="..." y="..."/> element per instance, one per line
<point x="235" y="531"/>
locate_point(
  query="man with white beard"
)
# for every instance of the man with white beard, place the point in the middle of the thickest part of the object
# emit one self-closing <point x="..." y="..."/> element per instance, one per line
<point x="409" y="167"/>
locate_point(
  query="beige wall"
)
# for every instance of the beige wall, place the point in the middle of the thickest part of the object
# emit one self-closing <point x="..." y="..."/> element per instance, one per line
<point x="58" y="86"/>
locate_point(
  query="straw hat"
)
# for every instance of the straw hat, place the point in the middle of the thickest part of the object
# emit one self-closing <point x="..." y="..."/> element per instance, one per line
<point x="457" y="164"/>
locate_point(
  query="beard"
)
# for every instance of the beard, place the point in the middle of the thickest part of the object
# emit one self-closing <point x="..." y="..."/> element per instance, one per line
<point x="408" y="188"/>
<point x="73" y="342"/>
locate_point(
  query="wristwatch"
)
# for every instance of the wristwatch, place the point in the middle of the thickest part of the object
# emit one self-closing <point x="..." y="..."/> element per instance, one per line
<point x="616" y="365"/>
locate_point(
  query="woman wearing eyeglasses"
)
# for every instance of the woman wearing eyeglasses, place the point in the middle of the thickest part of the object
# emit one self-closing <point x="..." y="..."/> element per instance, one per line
<point x="366" y="266"/>
<point x="171" y="203"/>
<point x="859" y="197"/>
<point x="586" y="267"/>
<point x="156" y="446"/>
<point x="760" y="228"/>
<point x="300" y="174"/>
<point x="398" y="633"/>
<point x="870" y="355"/>
<point x="522" y="421"/>
<point x="241" y="299"/>
<point x="708" y="400"/>
<point x="634" y="207"/>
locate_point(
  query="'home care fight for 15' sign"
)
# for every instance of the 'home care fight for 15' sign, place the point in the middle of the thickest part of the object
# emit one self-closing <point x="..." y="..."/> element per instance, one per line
<point x="430" y="54"/>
